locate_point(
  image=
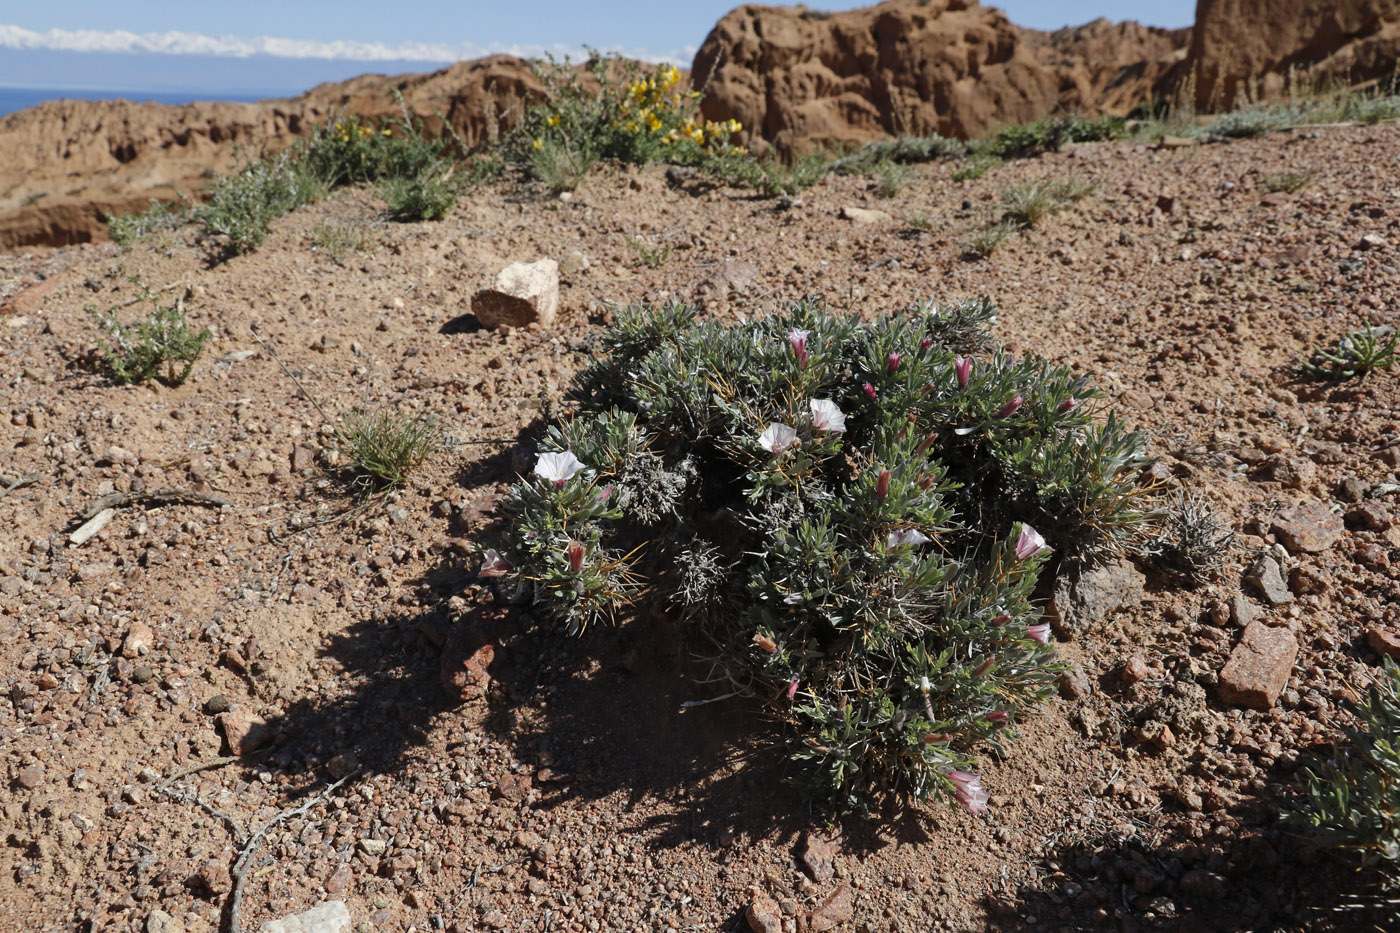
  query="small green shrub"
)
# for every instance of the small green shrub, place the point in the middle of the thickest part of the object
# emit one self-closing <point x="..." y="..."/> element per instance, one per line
<point x="1243" y="124"/>
<point x="975" y="167"/>
<point x="769" y="178"/>
<point x="891" y="177"/>
<point x="387" y="447"/>
<point x="560" y="164"/>
<point x="427" y="196"/>
<point x="906" y="150"/>
<point x="1353" y="801"/>
<point x="163" y="346"/>
<point x="653" y="257"/>
<point x="341" y="240"/>
<point x="1288" y="182"/>
<point x="1028" y="139"/>
<point x="349" y="151"/>
<point x="919" y="221"/>
<point x="1028" y="204"/>
<point x="987" y="240"/>
<point x="1357" y="354"/>
<point x="841" y="513"/>
<point x="126" y="229"/>
<point x="244" y="205"/>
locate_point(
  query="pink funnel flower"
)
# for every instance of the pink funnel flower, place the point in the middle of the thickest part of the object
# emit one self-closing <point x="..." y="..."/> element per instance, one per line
<point x="603" y="495"/>
<point x="575" y="557"/>
<point x="906" y="536"/>
<point x="778" y="437"/>
<point x="882" y="484"/>
<point x="962" y="366"/>
<point x="798" y="339"/>
<point x="827" y="417"/>
<point x="792" y="690"/>
<point x="869" y="391"/>
<point x="1040" y="633"/>
<point x="494" y="565"/>
<point x="967" y="787"/>
<point x="893" y="361"/>
<point x="1030" y="543"/>
<point x="558" y="467"/>
<point x="1069" y="404"/>
<point x="1010" y="407"/>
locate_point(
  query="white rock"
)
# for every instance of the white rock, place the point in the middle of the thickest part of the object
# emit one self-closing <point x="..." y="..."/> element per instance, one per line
<point x="862" y="215"/>
<point x="330" y="917"/>
<point x="525" y="292"/>
<point x="91" y="527"/>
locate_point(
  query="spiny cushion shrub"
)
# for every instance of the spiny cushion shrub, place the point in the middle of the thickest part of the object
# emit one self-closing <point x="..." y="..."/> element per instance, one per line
<point x="1353" y="801"/>
<point x="848" y="515"/>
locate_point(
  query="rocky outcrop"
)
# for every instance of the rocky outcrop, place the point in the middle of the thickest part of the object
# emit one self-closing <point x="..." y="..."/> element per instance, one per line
<point x="65" y="165"/>
<point x="796" y="78"/>
<point x="1116" y="66"/>
<point x="1251" y="49"/>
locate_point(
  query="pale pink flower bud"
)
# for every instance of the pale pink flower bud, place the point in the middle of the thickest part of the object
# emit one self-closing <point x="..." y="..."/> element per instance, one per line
<point x="494" y="565"/>
<point x="893" y="361"/>
<point x="870" y="392"/>
<point x="925" y="344"/>
<point x="907" y="536"/>
<point x="1029" y="543"/>
<point x="1010" y="407"/>
<point x="998" y="717"/>
<point x="575" y="557"/>
<point x="798" y="339"/>
<point x="882" y="484"/>
<point x="984" y="666"/>
<point x="603" y="495"/>
<point x="792" y="690"/>
<point x="968" y="789"/>
<point x="1040" y="633"/>
<point x="962" y="366"/>
<point x="1069" y="404"/>
<point x="1001" y="619"/>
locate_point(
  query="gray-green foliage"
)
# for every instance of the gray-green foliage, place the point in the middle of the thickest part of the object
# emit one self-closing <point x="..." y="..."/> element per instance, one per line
<point x="1352" y="801"/>
<point x="243" y="205"/>
<point x="1356" y="355"/>
<point x="126" y="229"/>
<point x="842" y="511"/>
<point x="162" y="346"/>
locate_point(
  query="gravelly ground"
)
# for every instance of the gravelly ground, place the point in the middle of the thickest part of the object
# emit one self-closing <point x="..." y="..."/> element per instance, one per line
<point x="576" y="794"/>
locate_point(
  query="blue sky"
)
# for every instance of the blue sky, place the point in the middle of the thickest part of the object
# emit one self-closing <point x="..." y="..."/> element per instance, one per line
<point x="653" y="26"/>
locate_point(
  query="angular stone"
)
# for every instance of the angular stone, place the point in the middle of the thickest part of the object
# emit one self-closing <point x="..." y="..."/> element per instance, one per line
<point x="466" y="666"/>
<point x="138" y="641"/>
<point x="244" y="732"/>
<point x="303" y="458"/>
<point x="1085" y="597"/>
<point x="819" y="855"/>
<point x="158" y="921"/>
<point x="327" y="917"/>
<point x="1384" y="641"/>
<point x="1259" y="667"/>
<point x="764" y="915"/>
<point x="1242" y="611"/>
<point x="1073" y="683"/>
<point x="838" y="908"/>
<point x="1268" y="580"/>
<point x="574" y="263"/>
<point x="524" y="293"/>
<point x="1309" y="528"/>
<point x="863" y="215"/>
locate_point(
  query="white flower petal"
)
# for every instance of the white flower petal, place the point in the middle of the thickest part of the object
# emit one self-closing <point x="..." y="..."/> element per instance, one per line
<point x="558" y="467"/>
<point x="826" y="416"/>
<point x="777" y="437"/>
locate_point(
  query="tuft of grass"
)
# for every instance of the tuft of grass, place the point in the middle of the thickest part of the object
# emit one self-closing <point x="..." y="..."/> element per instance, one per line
<point x="1288" y="182"/>
<point x="975" y="167"/>
<point x="1028" y="204"/>
<point x="986" y="241"/>
<point x="387" y="447"/>
<point x="430" y="195"/>
<point x="891" y="177"/>
<point x="918" y="221"/>
<point x="341" y="240"/>
<point x="163" y="346"/>
<point x="1193" y="540"/>
<point x="653" y="257"/>
<point x="559" y="164"/>
<point x="126" y="229"/>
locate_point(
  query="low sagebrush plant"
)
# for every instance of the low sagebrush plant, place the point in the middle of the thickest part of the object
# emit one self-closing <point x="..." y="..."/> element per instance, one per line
<point x="844" y="514"/>
<point x="245" y="204"/>
<point x="1353" y="800"/>
<point x="163" y="346"/>
<point x="386" y="446"/>
<point x="126" y="229"/>
<point x="429" y="196"/>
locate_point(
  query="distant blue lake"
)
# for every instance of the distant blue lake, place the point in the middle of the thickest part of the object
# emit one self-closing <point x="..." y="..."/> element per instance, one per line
<point x="18" y="98"/>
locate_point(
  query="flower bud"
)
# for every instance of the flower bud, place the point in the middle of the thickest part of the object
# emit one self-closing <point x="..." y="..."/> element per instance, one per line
<point x="1010" y="407"/>
<point x="985" y="666"/>
<point x="893" y="361"/>
<point x="998" y="717"/>
<point x="962" y="367"/>
<point x="575" y="556"/>
<point x="882" y="484"/>
<point x="1069" y="404"/>
<point x="924" y="345"/>
<point x="1040" y="633"/>
<point x="792" y="690"/>
<point x="869" y="391"/>
<point x="765" y="643"/>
